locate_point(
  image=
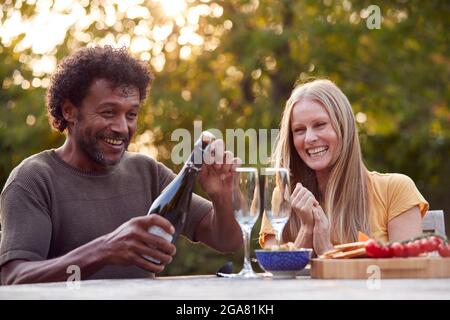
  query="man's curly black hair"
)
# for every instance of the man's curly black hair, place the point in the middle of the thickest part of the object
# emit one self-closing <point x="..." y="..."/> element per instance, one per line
<point x="75" y="74"/>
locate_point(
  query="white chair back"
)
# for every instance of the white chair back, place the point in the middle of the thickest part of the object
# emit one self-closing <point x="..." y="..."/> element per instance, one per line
<point x="433" y="221"/>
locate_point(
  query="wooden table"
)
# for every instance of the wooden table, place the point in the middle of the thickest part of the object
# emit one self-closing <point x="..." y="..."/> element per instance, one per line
<point x="214" y="288"/>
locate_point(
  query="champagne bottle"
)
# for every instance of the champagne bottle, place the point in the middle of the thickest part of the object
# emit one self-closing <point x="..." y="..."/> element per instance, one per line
<point x="174" y="201"/>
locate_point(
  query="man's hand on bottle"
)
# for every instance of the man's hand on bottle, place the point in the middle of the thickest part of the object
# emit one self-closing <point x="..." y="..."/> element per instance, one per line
<point x="217" y="172"/>
<point x="131" y="241"/>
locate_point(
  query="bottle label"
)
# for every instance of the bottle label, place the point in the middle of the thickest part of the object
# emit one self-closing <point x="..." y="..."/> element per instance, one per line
<point x="158" y="231"/>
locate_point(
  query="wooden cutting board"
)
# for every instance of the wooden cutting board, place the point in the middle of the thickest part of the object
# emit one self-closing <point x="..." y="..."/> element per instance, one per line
<point x="393" y="268"/>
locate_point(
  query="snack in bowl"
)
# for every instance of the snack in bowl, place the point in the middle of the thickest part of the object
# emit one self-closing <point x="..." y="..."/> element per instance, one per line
<point x="283" y="261"/>
<point x="283" y="247"/>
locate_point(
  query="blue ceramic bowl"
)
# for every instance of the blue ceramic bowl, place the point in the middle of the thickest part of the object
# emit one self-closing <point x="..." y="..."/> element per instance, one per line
<point x="283" y="264"/>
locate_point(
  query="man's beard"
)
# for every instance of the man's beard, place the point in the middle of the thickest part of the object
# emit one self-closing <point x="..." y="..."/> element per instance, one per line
<point x="91" y="147"/>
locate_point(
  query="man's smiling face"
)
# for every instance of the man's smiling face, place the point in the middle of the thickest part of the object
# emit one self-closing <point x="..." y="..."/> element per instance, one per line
<point x="106" y="122"/>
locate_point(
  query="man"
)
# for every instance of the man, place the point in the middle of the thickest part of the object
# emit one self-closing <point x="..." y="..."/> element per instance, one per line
<point x="85" y="203"/>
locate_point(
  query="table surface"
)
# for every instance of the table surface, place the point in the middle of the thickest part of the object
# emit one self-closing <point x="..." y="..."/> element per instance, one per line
<point x="210" y="287"/>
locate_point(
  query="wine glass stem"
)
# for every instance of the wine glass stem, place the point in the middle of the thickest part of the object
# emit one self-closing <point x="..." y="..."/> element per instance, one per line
<point x="278" y="232"/>
<point x="246" y="237"/>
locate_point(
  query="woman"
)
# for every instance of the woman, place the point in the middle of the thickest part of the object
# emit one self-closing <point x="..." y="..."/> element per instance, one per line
<point x="333" y="194"/>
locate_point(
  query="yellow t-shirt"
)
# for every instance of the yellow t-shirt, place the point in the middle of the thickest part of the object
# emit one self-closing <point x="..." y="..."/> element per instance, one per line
<point x="392" y="194"/>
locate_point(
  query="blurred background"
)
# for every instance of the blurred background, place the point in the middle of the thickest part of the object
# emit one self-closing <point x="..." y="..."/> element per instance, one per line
<point x="232" y="64"/>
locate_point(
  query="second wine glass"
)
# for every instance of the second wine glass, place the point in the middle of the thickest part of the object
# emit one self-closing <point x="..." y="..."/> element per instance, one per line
<point x="277" y="198"/>
<point x="246" y="207"/>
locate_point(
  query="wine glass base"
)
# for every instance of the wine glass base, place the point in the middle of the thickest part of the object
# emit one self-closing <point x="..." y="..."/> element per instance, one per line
<point x="244" y="274"/>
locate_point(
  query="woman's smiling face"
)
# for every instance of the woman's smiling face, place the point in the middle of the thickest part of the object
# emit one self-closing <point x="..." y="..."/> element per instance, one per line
<point x="314" y="137"/>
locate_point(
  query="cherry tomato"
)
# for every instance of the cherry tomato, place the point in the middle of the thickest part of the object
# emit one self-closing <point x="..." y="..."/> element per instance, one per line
<point x="412" y="249"/>
<point x="373" y="249"/>
<point x="421" y="246"/>
<point x="385" y="252"/>
<point x="426" y="245"/>
<point x="405" y="249"/>
<point x="397" y="249"/>
<point x="435" y="242"/>
<point x="447" y="254"/>
<point x="444" y="250"/>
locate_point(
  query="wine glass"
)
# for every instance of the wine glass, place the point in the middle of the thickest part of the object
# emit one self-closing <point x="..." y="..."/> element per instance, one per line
<point x="246" y="207"/>
<point x="277" y="198"/>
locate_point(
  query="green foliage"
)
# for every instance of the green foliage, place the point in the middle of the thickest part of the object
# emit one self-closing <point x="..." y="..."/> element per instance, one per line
<point x="396" y="76"/>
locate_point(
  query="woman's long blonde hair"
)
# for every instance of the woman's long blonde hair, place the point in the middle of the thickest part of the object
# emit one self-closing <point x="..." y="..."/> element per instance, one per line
<point x="346" y="200"/>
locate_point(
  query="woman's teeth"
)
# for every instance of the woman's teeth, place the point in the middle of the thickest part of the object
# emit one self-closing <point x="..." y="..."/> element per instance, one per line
<point x="317" y="152"/>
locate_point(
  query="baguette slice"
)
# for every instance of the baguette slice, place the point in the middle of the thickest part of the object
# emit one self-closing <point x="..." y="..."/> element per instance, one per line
<point x="350" y="246"/>
<point x="354" y="249"/>
<point x="356" y="253"/>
